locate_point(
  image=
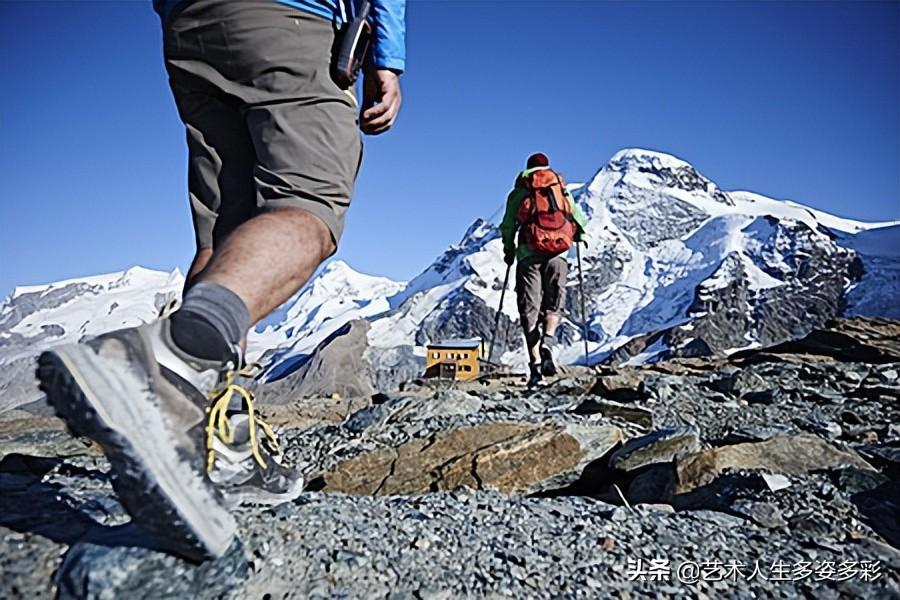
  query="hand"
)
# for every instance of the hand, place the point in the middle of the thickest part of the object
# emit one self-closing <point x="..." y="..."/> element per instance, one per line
<point x="509" y="258"/>
<point x="381" y="101"/>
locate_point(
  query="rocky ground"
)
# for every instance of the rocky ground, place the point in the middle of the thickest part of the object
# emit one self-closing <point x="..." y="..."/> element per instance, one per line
<point x="773" y="473"/>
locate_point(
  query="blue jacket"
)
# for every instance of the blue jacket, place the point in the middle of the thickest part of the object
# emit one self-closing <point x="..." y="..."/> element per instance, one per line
<point x="388" y="17"/>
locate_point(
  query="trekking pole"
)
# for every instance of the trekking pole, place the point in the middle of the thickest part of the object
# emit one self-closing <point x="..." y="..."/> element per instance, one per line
<point x="497" y="318"/>
<point x="584" y="329"/>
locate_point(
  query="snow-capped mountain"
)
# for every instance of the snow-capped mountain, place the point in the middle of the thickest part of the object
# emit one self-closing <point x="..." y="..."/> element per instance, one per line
<point x="69" y="310"/>
<point x="338" y="294"/>
<point x="680" y="267"/>
<point x="674" y="266"/>
<point x="33" y="318"/>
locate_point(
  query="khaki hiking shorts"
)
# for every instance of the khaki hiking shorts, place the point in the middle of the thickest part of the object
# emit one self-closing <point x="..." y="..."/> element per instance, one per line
<point x="266" y="125"/>
<point x="540" y="287"/>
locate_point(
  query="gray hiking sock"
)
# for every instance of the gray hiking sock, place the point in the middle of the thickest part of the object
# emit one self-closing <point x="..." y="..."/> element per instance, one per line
<point x="548" y="340"/>
<point x="211" y="320"/>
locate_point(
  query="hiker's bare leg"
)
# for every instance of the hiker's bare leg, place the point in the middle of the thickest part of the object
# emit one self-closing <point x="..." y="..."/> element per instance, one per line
<point x="534" y="354"/>
<point x="269" y="257"/>
<point x="551" y="322"/>
<point x="533" y="336"/>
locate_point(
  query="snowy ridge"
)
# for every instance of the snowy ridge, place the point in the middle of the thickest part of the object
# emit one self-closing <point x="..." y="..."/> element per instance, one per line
<point x="474" y="265"/>
<point x="41" y="316"/>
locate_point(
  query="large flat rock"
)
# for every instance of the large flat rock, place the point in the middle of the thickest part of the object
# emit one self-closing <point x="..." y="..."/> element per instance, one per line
<point x="33" y="435"/>
<point x="508" y="457"/>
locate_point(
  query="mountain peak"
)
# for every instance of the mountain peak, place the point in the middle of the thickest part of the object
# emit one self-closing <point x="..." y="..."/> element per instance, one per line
<point x="338" y="266"/>
<point x="652" y="170"/>
<point x="632" y="158"/>
<point x="339" y="273"/>
<point x="658" y="261"/>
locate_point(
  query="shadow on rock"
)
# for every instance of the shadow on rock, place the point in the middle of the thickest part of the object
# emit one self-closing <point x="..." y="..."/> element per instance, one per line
<point x="107" y="555"/>
<point x="31" y="504"/>
<point x="881" y="508"/>
<point x="595" y="480"/>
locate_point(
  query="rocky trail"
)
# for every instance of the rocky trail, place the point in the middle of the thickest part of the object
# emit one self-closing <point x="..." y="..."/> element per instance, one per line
<point x="774" y="472"/>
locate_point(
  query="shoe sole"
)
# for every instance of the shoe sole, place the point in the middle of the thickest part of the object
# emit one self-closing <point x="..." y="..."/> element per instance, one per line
<point x="548" y="368"/>
<point x="157" y="487"/>
<point x="253" y="495"/>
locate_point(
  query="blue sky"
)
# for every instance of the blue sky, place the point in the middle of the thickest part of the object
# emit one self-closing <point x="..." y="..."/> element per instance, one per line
<point x="794" y="100"/>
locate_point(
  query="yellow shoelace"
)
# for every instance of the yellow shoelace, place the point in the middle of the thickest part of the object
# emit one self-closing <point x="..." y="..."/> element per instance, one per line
<point x="220" y="425"/>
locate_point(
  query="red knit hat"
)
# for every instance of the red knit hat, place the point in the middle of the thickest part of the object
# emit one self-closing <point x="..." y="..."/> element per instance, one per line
<point x="538" y="159"/>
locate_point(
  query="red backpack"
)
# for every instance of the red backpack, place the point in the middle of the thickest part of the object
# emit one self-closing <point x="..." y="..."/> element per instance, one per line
<point x="545" y="215"/>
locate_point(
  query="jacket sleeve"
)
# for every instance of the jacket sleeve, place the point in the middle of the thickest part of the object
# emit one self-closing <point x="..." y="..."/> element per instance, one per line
<point x="509" y="225"/>
<point x="389" y="43"/>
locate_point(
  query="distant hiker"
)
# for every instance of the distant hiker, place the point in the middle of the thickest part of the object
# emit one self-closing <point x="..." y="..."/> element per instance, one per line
<point x="273" y="154"/>
<point x="548" y="222"/>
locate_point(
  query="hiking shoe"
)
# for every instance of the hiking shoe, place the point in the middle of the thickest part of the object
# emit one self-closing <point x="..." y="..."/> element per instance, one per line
<point x="548" y="367"/>
<point x="113" y="390"/>
<point x="535" y="379"/>
<point x="249" y="471"/>
<point x="243" y="456"/>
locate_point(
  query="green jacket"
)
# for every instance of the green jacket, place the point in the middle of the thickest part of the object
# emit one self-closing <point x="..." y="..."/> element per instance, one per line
<point x="510" y="224"/>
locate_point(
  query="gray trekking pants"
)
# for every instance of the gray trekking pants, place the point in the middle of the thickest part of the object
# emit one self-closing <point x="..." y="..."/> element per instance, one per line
<point x="540" y="288"/>
<point x="266" y="125"/>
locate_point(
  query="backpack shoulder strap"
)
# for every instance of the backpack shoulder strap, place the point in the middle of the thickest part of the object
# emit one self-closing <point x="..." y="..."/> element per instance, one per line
<point x="565" y="204"/>
<point x="527" y="205"/>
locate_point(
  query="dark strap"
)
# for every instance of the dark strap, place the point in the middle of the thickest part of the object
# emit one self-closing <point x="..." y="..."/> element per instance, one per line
<point x="551" y="198"/>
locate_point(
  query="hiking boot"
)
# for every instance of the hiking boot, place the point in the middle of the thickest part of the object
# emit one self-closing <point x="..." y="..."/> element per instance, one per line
<point x="535" y="379"/>
<point x="135" y="394"/>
